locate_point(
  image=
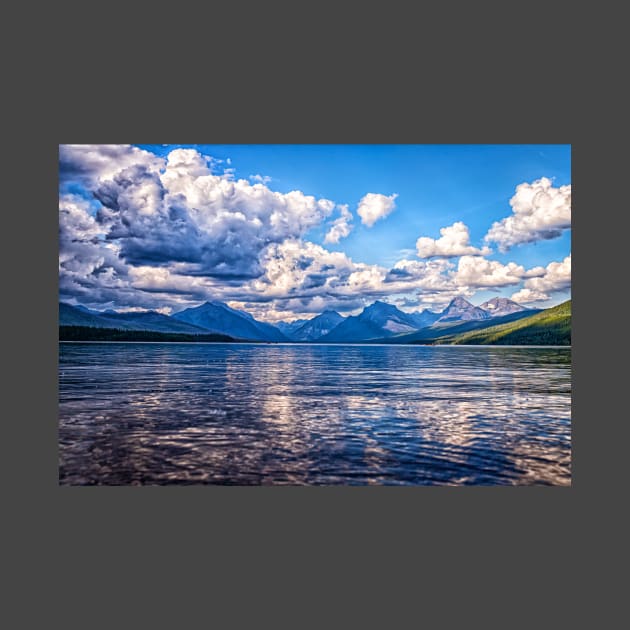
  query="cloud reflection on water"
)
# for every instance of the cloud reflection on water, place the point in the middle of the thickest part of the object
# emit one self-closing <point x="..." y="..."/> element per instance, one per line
<point x="297" y="414"/>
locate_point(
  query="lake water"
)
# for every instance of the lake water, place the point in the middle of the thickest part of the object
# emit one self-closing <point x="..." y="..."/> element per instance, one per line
<point x="159" y="413"/>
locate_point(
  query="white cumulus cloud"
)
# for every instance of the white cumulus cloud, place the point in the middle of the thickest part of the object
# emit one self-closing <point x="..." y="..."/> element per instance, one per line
<point x="540" y="212"/>
<point x="341" y="227"/>
<point x="455" y="241"/>
<point x="261" y="179"/>
<point x="375" y="206"/>
<point x="477" y="272"/>
<point x="556" y="277"/>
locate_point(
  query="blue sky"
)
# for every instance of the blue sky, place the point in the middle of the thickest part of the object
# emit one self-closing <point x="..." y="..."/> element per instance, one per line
<point x="226" y="245"/>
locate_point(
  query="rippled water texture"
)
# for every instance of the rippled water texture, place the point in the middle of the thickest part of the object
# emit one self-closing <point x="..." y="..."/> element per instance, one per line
<point x="144" y="413"/>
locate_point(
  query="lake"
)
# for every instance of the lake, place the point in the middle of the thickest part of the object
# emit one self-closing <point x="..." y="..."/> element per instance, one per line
<point x="291" y="414"/>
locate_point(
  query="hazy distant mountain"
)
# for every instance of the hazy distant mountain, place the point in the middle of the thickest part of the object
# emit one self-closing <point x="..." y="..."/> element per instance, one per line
<point x="149" y="320"/>
<point x="317" y="327"/>
<point x="287" y="328"/>
<point x="425" y="318"/>
<point x="85" y="309"/>
<point x="460" y="309"/>
<point x="375" y="321"/>
<point x="388" y="317"/>
<point x="219" y="317"/>
<point x="76" y="316"/>
<point x="498" y="306"/>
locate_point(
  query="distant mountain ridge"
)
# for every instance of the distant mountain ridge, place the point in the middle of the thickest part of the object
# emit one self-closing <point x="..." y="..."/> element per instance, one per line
<point x="149" y="320"/>
<point x="381" y="321"/>
<point x="317" y="327"/>
<point x="220" y="318"/>
<point x="449" y="329"/>
<point x="425" y="318"/>
<point x="378" y="322"/>
<point x="287" y="328"/>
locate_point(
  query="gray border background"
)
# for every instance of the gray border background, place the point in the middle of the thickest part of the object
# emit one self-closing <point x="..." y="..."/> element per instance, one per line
<point x="296" y="557"/>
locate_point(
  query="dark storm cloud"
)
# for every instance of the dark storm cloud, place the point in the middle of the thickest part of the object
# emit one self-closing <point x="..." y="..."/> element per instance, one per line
<point x="398" y="275"/>
<point x="407" y="302"/>
<point x="316" y="304"/>
<point x="304" y="262"/>
<point x="86" y="164"/>
<point x="81" y="246"/>
<point x="157" y="230"/>
<point x="227" y="277"/>
<point x="190" y="293"/>
<point x="314" y="280"/>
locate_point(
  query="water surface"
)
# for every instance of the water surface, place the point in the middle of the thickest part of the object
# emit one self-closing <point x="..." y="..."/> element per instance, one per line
<point x="176" y="413"/>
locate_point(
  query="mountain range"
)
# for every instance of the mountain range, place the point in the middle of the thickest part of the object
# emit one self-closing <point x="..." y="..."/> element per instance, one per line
<point x="380" y="322"/>
<point x="218" y="317"/>
<point x="149" y="320"/>
<point x="551" y="326"/>
<point x="377" y="320"/>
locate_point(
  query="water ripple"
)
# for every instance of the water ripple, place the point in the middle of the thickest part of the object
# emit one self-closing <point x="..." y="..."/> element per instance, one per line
<point x="319" y="415"/>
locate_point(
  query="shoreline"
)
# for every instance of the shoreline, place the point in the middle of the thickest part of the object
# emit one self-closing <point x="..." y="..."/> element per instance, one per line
<point x="289" y="343"/>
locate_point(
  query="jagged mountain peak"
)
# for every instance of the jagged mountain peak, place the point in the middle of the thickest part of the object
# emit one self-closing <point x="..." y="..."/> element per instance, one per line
<point x="460" y="302"/>
<point x="501" y="306"/>
<point x="460" y="308"/>
<point x="318" y="326"/>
